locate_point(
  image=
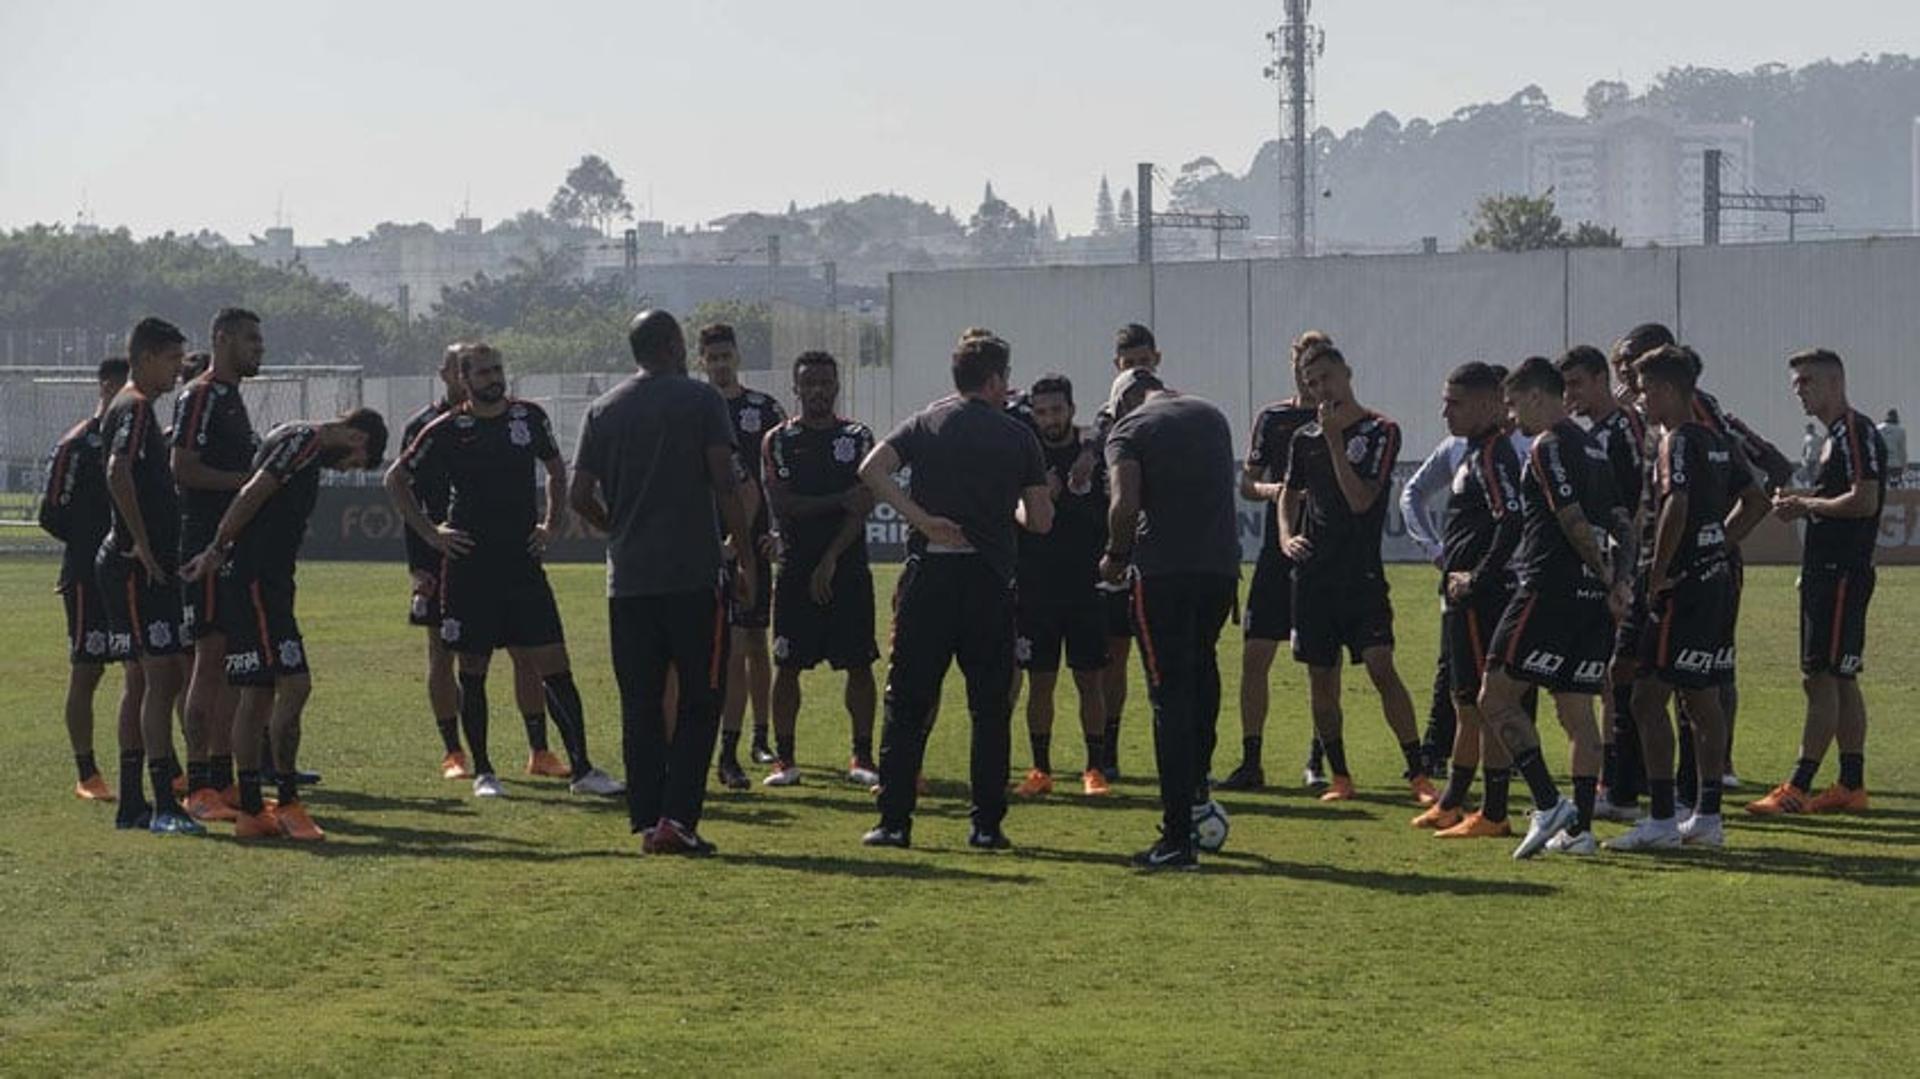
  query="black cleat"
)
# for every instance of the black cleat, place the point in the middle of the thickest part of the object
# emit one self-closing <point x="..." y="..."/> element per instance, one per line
<point x="762" y="753"/>
<point x="989" y="839"/>
<point x="883" y="836"/>
<point x="1248" y="777"/>
<point x="1164" y="855"/>
<point x="672" y="837"/>
<point x="732" y="776"/>
<point x="138" y="819"/>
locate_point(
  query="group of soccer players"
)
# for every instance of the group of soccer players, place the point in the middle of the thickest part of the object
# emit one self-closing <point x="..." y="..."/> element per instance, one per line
<point x="1577" y="561"/>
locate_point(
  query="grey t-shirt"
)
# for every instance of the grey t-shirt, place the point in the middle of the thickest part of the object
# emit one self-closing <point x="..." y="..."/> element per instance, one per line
<point x="646" y="441"/>
<point x="970" y="462"/>
<point x="1185" y="452"/>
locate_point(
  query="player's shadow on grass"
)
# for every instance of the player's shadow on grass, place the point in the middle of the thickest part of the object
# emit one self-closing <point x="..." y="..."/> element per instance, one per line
<point x="1872" y="870"/>
<point x="1238" y="863"/>
<point x="1290" y="809"/>
<point x="1875" y="829"/>
<point x="849" y="800"/>
<point x="901" y="865"/>
<point x="362" y="802"/>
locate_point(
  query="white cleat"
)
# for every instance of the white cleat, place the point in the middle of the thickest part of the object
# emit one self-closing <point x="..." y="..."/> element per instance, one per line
<point x="1604" y="809"/>
<point x="783" y="775"/>
<point x="486" y="786"/>
<point x="861" y="776"/>
<point x="1546" y="823"/>
<point x="597" y="782"/>
<point x="1649" y="834"/>
<point x="1702" y="830"/>
<point x="1568" y="843"/>
<point x="1729" y="781"/>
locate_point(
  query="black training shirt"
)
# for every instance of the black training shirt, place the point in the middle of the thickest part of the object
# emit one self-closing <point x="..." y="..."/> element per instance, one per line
<point x="1700" y="463"/>
<point x="817" y="462"/>
<point x="1854" y="453"/>
<point x="1184" y="448"/>
<point x="1482" y="525"/>
<point x="970" y="462"/>
<point x="210" y="418"/>
<point x="431" y="492"/>
<point x="271" y="541"/>
<point x="1564" y="468"/>
<point x="489" y="466"/>
<point x="1065" y="562"/>
<point x="75" y="508"/>
<point x="130" y="431"/>
<point x="1272" y="447"/>
<point x="1346" y="545"/>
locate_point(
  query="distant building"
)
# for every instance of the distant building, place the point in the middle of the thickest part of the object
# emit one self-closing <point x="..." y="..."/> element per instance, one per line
<point x="1638" y="171"/>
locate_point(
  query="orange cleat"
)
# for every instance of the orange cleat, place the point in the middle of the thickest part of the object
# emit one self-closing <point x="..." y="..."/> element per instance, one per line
<point x="1476" y="826"/>
<point x="1438" y="819"/>
<point x="1839" y="799"/>
<point x="1340" y="790"/>
<point x="229" y="796"/>
<point x="1093" y="783"/>
<point x="1423" y="792"/>
<point x="205" y="804"/>
<point x="544" y="763"/>
<point x="1786" y="798"/>
<point x="262" y="825"/>
<point x="1036" y="784"/>
<point x="454" y="766"/>
<point x="93" y="789"/>
<point x="296" y="823"/>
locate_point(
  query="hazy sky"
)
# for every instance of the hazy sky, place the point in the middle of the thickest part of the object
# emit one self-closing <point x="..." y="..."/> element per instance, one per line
<point x="189" y="114"/>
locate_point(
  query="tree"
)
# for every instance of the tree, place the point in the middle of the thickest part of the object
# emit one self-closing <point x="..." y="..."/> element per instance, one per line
<point x="1103" y="222"/>
<point x="593" y="195"/>
<point x="1516" y="223"/>
<point x="1588" y="234"/>
<point x="1126" y="210"/>
<point x="1605" y="96"/>
<point x="752" y="327"/>
<point x="999" y="234"/>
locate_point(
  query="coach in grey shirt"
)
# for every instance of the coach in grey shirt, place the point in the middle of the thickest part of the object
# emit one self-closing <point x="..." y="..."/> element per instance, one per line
<point x="654" y="462"/>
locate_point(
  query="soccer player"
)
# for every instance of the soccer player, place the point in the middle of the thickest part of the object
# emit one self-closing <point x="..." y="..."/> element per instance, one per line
<point x="136" y="566"/>
<point x="654" y="469"/>
<point x="1170" y="461"/>
<point x="1619" y="430"/>
<point x="1057" y="606"/>
<point x="423" y="566"/>
<point x="213" y="449"/>
<point x="977" y="472"/>
<point x="1842" y="513"/>
<point x="1555" y="631"/>
<point x="75" y="511"/>
<point x="1705" y="502"/>
<point x="493" y="588"/>
<point x="1269" y="617"/>
<point x="1133" y="346"/>
<point x="823" y="608"/>
<point x="1480" y="532"/>
<point x="753" y="414"/>
<point x="1332" y="514"/>
<point x="260" y="535"/>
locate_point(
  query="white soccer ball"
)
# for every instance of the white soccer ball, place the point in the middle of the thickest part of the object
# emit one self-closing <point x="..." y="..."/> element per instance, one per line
<point x="1210" y="825"/>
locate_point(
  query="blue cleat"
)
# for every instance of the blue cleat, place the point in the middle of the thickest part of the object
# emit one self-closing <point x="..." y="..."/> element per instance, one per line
<point x="167" y="823"/>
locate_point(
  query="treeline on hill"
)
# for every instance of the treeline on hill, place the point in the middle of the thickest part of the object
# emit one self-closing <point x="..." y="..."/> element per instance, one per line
<point x="541" y="315"/>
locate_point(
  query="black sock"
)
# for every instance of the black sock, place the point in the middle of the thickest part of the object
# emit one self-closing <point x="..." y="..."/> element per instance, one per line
<point x="1250" y="749"/>
<point x="199" y="776"/>
<point x="160" y="775"/>
<point x="536" y="730"/>
<point x="759" y="736"/>
<point x="1042" y="751"/>
<point x="83" y="763"/>
<point x="133" y="798"/>
<point x="1113" y="742"/>
<point x="1336" y="752"/>
<point x="1533" y="768"/>
<point x="570" y="717"/>
<point x="473" y="720"/>
<point x="1458" y="780"/>
<point x="1583" y="795"/>
<point x="449" y="732"/>
<point x="1803" y="772"/>
<point x="250" y="800"/>
<point x="289" y="789"/>
<point x="1416" y="760"/>
<point x="222" y="765"/>
<point x="1316" y="754"/>
<point x="729" y="747"/>
<point x="783" y="746"/>
<point x="1610" y="767"/>
<point x="1096" y="751"/>
<point x="1709" y="803"/>
<point x="1660" y="793"/>
<point x="1494" y="808"/>
<point x="1853" y="770"/>
<point x="862" y="749"/>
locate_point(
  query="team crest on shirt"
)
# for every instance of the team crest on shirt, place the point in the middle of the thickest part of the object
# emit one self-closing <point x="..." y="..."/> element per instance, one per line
<point x="95" y="643"/>
<point x="1023" y="649"/>
<point x="463" y="421"/>
<point x="419" y="605"/>
<point x="750" y="420"/>
<point x="782" y="648"/>
<point x="243" y="662"/>
<point x="1357" y="448"/>
<point x="159" y="634"/>
<point x="519" y="433"/>
<point x="291" y="654"/>
<point x="844" y="448"/>
<point x="449" y="629"/>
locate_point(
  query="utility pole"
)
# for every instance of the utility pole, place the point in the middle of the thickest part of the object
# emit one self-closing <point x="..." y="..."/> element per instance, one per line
<point x="1143" y="212"/>
<point x="1149" y="219"/>
<point x="1297" y="47"/>
<point x="1714" y="201"/>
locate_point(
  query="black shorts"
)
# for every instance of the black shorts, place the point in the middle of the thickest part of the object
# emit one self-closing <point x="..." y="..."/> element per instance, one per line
<point x="1557" y="640"/>
<point x="840" y="632"/>
<point x="1270" y="598"/>
<point x="758" y="615"/>
<point x="1688" y="639"/>
<point x="263" y="637"/>
<point x="1466" y="632"/>
<point x="1116" y="612"/>
<point x="487" y="604"/>
<point x="1627" y="631"/>
<point x="143" y="618"/>
<point x="1329" y="615"/>
<point x="1833" y="619"/>
<point x="1043" y="625"/>
<point x="88" y="640"/>
<point x="423" y="606"/>
<point x="201" y="608"/>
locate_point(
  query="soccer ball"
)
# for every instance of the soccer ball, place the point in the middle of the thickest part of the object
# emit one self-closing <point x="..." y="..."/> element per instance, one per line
<point x="1210" y="825"/>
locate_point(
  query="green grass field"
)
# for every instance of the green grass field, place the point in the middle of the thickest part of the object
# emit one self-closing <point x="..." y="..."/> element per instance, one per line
<point x="431" y="934"/>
